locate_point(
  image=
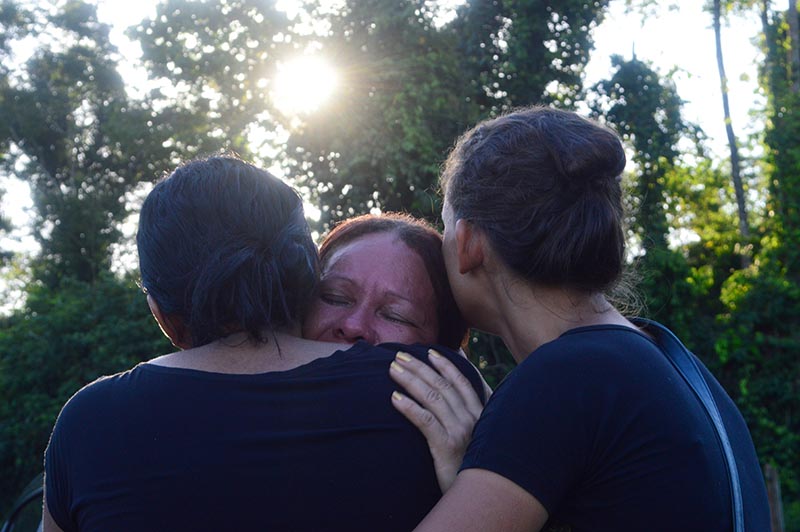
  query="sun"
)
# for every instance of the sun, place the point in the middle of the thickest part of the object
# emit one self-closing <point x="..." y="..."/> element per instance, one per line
<point x="303" y="84"/>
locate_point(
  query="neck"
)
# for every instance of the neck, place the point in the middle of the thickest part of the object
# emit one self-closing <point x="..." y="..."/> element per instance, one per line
<point x="530" y="315"/>
<point x="238" y="354"/>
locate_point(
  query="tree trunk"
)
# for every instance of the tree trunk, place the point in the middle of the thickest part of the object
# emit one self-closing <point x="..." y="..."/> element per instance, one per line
<point x="744" y="228"/>
<point x="794" y="45"/>
<point x="774" y="495"/>
<point x="769" y="59"/>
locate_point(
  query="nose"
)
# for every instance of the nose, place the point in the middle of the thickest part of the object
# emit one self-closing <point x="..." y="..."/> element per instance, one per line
<point x="356" y="326"/>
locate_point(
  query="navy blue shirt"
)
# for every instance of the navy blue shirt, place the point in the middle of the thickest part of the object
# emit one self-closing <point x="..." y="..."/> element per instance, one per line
<point x="317" y="447"/>
<point x="601" y="429"/>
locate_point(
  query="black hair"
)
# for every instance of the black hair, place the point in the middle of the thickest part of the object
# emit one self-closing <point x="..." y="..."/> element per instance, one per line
<point x="544" y="185"/>
<point x="225" y="247"/>
<point x="426" y="242"/>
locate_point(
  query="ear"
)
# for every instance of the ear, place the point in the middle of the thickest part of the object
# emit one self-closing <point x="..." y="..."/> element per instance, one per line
<point x="469" y="246"/>
<point x="172" y="326"/>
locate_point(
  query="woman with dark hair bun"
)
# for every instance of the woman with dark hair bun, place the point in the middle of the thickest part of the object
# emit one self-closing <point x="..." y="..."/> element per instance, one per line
<point x="248" y="426"/>
<point x="599" y="427"/>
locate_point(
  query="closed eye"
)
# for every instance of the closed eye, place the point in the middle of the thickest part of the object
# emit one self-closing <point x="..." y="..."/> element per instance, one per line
<point x="396" y="318"/>
<point x="337" y="300"/>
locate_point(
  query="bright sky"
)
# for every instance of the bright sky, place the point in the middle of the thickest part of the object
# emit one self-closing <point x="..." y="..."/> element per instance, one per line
<point x="668" y="39"/>
<point x="684" y="40"/>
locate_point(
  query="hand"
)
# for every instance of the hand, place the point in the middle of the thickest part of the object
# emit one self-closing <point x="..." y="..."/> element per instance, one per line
<point x="445" y="410"/>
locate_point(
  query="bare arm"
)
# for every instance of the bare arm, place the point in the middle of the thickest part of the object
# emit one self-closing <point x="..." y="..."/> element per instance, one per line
<point x="445" y="409"/>
<point x="482" y="501"/>
<point x="47" y="519"/>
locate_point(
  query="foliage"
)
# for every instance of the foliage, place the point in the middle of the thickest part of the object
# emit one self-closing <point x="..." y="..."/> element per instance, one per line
<point x="758" y="344"/>
<point x="522" y="52"/>
<point x="646" y="110"/>
<point x="408" y="89"/>
<point x="68" y="127"/>
<point x="214" y="62"/>
<point x="14" y="23"/>
<point x="412" y="86"/>
<point x="760" y="340"/>
<point x="402" y="103"/>
<point x="61" y="340"/>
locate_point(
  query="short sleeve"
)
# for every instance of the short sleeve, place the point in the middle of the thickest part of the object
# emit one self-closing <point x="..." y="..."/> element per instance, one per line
<point x="534" y="430"/>
<point x="56" y="478"/>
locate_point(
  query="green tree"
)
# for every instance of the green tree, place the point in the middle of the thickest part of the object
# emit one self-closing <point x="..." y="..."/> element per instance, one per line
<point x="408" y="87"/>
<point x="524" y="52"/>
<point x="215" y="62"/>
<point x="68" y="127"/>
<point x="646" y="109"/>
<point x="760" y="338"/>
<point x="60" y="341"/>
<point x="401" y="104"/>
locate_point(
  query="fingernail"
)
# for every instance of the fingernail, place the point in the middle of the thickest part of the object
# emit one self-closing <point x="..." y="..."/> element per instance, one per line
<point x="395" y="366"/>
<point x="434" y="353"/>
<point x="397" y="396"/>
<point x="405" y="357"/>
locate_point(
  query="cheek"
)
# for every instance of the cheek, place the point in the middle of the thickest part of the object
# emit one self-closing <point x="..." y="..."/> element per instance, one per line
<point x="431" y="333"/>
<point x="387" y="332"/>
<point x="319" y="322"/>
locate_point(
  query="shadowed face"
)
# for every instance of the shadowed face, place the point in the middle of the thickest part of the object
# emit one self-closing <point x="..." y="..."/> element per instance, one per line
<point x="375" y="289"/>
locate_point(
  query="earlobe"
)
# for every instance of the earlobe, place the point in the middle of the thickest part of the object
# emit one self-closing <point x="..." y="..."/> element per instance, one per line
<point x="469" y="246"/>
<point x="172" y="326"/>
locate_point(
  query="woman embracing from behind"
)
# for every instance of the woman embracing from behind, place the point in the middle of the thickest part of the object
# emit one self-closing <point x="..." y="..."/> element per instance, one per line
<point x="594" y="429"/>
<point x="249" y="426"/>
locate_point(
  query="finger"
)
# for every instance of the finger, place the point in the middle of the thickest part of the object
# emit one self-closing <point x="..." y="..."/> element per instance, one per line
<point x="440" y="399"/>
<point x="436" y="401"/>
<point x="444" y="384"/>
<point x="458" y="380"/>
<point x="421" y="418"/>
<point x="446" y="458"/>
<point x="433" y="391"/>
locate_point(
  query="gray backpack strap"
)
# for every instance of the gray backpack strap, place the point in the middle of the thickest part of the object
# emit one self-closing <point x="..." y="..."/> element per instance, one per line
<point x="686" y="365"/>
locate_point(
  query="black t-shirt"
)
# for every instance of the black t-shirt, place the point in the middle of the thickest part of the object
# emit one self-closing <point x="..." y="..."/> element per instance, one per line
<point x="602" y="430"/>
<point x="317" y="447"/>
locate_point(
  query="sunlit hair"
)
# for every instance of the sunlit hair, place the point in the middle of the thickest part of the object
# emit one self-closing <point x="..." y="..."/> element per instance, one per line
<point x="225" y="247"/>
<point x="544" y="185"/>
<point x="426" y="242"/>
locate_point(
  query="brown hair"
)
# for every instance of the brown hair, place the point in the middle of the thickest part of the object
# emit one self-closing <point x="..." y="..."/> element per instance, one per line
<point x="426" y="242"/>
<point x="544" y="185"/>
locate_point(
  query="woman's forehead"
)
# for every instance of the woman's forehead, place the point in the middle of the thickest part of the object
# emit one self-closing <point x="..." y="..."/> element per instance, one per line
<point x="382" y="258"/>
